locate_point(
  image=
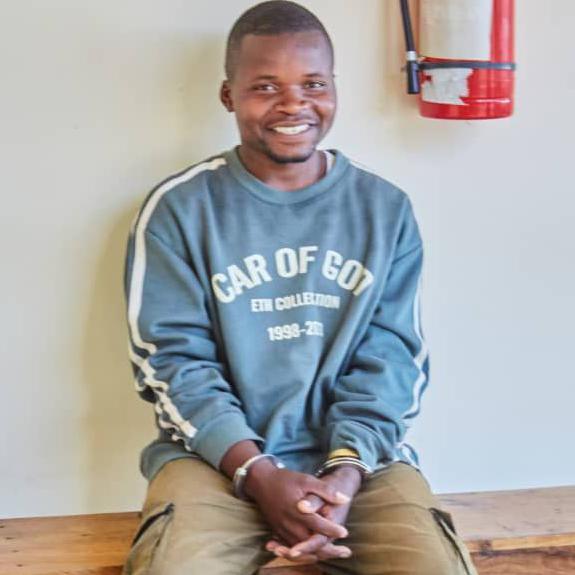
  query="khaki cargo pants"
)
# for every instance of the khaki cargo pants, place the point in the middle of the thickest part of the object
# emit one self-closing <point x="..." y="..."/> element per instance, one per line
<point x="193" y="525"/>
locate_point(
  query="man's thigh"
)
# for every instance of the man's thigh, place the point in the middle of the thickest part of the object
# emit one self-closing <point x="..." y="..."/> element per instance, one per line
<point x="192" y="523"/>
<point x="397" y="527"/>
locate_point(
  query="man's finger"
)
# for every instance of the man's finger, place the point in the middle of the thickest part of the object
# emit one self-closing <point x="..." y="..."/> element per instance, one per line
<point x="277" y="548"/>
<point x="318" y="524"/>
<point x="272" y="545"/>
<point x="310" y="504"/>
<point x="331" y="551"/>
<point x="309" y="546"/>
<point x="326" y="492"/>
<point x="303" y="558"/>
<point x="319" y="547"/>
<point x="281" y="551"/>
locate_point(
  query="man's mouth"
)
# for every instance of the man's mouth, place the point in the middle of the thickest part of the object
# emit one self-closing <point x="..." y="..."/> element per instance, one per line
<point x="291" y="130"/>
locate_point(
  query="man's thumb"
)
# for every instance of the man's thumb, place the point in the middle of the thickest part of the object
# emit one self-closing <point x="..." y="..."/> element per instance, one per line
<point x="310" y="504"/>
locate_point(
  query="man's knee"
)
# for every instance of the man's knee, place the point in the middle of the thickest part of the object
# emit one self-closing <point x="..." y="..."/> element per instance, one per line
<point x="406" y="539"/>
<point x="435" y="556"/>
<point x="202" y="537"/>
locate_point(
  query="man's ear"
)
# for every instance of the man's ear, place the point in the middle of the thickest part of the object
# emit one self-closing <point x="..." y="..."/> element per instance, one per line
<point x="226" y="96"/>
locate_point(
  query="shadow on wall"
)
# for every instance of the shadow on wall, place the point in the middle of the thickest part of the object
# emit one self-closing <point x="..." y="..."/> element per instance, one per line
<point x="118" y="423"/>
<point x="115" y="427"/>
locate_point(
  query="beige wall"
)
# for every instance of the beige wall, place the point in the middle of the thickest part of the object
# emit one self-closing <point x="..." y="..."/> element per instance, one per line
<point x="100" y="100"/>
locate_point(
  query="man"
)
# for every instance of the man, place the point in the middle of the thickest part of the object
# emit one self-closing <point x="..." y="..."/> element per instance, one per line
<point x="273" y="312"/>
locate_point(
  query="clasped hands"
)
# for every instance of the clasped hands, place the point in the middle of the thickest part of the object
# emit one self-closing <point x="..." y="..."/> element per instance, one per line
<point x="306" y="514"/>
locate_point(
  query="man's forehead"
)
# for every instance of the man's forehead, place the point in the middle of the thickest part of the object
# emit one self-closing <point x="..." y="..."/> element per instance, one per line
<point x="263" y="52"/>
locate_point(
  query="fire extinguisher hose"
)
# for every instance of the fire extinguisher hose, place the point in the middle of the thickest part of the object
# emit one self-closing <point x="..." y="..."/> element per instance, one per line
<point x="474" y="65"/>
<point x="411" y="66"/>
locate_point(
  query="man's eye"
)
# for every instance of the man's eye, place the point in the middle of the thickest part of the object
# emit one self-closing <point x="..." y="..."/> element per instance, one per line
<point x="314" y="84"/>
<point x="264" y="87"/>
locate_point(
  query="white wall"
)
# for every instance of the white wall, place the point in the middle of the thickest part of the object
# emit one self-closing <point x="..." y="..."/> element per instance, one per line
<point x="100" y="100"/>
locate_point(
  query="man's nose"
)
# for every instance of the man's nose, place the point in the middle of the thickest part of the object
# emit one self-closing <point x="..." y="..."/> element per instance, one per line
<point x="292" y="101"/>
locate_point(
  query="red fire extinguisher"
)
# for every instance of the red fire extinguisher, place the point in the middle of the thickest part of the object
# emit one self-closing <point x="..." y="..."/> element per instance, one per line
<point x="466" y="68"/>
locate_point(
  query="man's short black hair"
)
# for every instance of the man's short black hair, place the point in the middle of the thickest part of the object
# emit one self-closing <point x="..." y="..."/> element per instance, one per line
<point x="271" y="18"/>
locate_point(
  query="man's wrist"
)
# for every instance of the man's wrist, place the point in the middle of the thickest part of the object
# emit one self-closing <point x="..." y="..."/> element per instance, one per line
<point x="344" y="456"/>
<point x="259" y="474"/>
<point x="348" y="478"/>
<point x="237" y="455"/>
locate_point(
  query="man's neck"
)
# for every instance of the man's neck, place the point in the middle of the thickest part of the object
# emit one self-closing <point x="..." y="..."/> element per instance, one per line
<point x="285" y="177"/>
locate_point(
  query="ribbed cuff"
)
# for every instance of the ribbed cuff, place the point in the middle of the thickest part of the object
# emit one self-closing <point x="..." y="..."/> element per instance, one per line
<point x="214" y="440"/>
<point x="350" y="435"/>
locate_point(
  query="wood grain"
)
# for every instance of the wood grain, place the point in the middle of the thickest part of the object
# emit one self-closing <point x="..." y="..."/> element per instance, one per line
<point x="72" y="545"/>
<point x="523" y="532"/>
<point x="512" y="520"/>
<point x="540" y="561"/>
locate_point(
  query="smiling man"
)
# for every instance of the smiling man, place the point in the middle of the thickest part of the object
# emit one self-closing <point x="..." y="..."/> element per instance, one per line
<point x="274" y="321"/>
<point x="260" y="68"/>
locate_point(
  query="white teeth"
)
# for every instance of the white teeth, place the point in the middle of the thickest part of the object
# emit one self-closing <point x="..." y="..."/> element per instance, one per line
<point x="291" y="130"/>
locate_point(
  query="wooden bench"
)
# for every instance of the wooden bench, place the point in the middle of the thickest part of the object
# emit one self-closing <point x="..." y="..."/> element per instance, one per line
<point x="525" y="532"/>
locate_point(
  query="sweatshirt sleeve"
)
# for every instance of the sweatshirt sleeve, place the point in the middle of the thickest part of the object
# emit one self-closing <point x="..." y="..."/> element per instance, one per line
<point x="380" y="391"/>
<point x="173" y="352"/>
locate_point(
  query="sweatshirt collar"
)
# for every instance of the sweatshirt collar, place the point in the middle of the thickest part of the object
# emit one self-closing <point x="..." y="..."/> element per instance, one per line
<point x="275" y="196"/>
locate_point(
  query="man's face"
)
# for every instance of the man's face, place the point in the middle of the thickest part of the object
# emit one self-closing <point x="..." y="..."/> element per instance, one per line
<point x="283" y="95"/>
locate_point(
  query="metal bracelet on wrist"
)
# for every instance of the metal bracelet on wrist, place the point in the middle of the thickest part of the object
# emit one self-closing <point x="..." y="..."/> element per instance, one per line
<point x="241" y="473"/>
<point x="330" y="464"/>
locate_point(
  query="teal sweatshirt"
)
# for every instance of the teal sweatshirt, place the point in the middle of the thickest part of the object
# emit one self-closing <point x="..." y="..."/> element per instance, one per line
<point x="287" y="318"/>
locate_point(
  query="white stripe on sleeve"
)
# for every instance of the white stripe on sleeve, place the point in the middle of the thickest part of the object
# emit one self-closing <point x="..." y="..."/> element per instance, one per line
<point x="164" y="404"/>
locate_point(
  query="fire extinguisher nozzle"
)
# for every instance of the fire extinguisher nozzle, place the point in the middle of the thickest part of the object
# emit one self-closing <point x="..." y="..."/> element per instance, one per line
<point x="412" y="71"/>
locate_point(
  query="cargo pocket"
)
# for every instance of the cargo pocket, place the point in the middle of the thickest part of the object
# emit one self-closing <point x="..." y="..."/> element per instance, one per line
<point x="147" y="539"/>
<point x="445" y="522"/>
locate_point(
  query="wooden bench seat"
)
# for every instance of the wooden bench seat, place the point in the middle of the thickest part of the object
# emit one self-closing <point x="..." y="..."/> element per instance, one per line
<point x="525" y="532"/>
